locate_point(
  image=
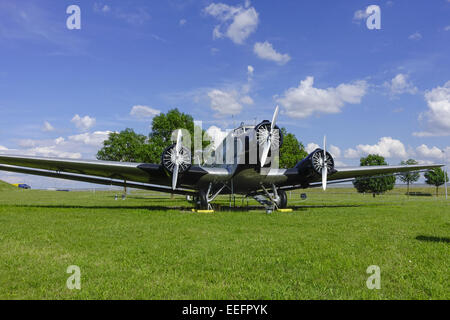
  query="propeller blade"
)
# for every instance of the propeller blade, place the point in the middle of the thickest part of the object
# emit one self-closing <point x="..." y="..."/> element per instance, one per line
<point x="265" y="152"/>
<point x="174" y="177"/>
<point x="325" y="166"/>
<point x="324" y="177"/>
<point x="178" y="145"/>
<point x="274" y="119"/>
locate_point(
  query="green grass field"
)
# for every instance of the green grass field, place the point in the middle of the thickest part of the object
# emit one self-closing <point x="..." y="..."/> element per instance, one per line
<point x="154" y="247"/>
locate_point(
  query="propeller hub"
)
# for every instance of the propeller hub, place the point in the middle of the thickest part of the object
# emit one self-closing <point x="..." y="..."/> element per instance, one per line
<point x="170" y="158"/>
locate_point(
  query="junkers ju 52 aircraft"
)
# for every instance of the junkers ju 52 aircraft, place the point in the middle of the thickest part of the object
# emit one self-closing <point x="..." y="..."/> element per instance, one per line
<point x="245" y="174"/>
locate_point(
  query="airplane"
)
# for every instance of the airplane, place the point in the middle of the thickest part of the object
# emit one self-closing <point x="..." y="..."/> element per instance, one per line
<point x="244" y="175"/>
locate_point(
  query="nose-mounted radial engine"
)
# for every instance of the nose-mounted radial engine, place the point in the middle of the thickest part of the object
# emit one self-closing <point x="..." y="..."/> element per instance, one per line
<point x="176" y="159"/>
<point x="269" y="137"/>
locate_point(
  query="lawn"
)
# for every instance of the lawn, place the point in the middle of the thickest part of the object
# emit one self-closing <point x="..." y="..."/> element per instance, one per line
<point x="151" y="246"/>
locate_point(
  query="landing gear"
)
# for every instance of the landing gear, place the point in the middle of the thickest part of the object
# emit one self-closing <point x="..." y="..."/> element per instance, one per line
<point x="271" y="200"/>
<point x="202" y="201"/>
<point x="282" y="202"/>
<point x="203" y="198"/>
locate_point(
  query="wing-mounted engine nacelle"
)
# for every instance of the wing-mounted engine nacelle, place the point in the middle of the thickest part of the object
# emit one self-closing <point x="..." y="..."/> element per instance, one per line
<point x="170" y="158"/>
<point x="311" y="167"/>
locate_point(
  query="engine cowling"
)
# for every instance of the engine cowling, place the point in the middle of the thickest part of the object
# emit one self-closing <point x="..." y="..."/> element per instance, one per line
<point x="169" y="159"/>
<point x="311" y="167"/>
<point x="317" y="161"/>
<point x="262" y="130"/>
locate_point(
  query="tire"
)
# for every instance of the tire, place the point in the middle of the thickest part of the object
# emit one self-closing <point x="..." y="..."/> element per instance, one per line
<point x="202" y="203"/>
<point x="282" y="203"/>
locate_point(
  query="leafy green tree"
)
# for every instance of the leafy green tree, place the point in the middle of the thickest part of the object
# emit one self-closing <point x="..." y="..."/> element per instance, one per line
<point x="409" y="177"/>
<point x="130" y="146"/>
<point x="292" y="151"/>
<point x="436" y="177"/>
<point x="164" y="124"/>
<point x="374" y="185"/>
<point x="126" y="146"/>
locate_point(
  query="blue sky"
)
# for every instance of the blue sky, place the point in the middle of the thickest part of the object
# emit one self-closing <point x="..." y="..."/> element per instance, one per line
<point x="383" y="91"/>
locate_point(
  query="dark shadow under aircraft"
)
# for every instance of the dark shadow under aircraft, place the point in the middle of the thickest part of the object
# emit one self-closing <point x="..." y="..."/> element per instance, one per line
<point x="248" y="171"/>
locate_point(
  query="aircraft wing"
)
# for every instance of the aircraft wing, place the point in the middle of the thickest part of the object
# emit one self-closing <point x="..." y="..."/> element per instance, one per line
<point x="346" y="174"/>
<point x="135" y="175"/>
<point x="364" y="171"/>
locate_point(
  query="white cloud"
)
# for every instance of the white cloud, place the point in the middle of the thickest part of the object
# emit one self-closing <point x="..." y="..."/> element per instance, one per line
<point x="99" y="7"/>
<point x="400" y="84"/>
<point x="144" y="112"/>
<point x="360" y="15"/>
<point x="52" y="151"/>
<point x="425" y="162"/>
<point x="84" y="145"/>
<point x="386" y="147"/>
<point x="246" y="100"/>
<point x="47" y="127"/>
<point x="182" y="22"/>
<point x="265" y="50"/>
<point x="27" y="143"/>
<point x="438" y="115"/>
<point x="2" y="148"/>
<point x="230" y="101"/>
<point x="83" y="123"/>
<point x="415" y="36"/>
<point x="133" y="16"/>
<point x="434" y="152"/>
<point x="216" y="134"/>
<point x="351" y="153"/>
<point x="237" y="22"/>
<point x="338" y="163"/>
<point x="305" y="100"/>
<point x="250" y="71"/>
<point x="60" y="140"/>
<point x="93" y="139"/>
<point x="335" y="151"/>
<point x="225" y="103"/>
<point x="310" y="147"/>
<point x="447" y="28"/>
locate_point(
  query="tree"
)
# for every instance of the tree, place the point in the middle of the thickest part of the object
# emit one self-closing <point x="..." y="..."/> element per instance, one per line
<point x="292" y="151"/>
<point x="162" y="127"/>
<point x="126" y="146"/>
<point x="436" y="177"/>
<point x="165" y="123"/>
<point x="374" y="185"/>
<point x="132" y="147"/>
<point x="409" y="177"/>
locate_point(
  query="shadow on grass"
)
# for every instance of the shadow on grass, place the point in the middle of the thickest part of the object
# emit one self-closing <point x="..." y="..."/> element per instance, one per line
<point x="58" y="206"/>
<point x="217" y="207"/>
<point x="433" y="239"/>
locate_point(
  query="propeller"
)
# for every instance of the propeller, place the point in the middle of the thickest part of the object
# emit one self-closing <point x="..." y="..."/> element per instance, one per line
<point x="268" y="142"/>
<point x="324" y="164"/>
<point x="176" y="161"/>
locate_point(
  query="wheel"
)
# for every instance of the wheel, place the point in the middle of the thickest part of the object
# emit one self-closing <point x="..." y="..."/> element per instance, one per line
<point x="202" y="202"/>
<point x="282" y="203"/>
